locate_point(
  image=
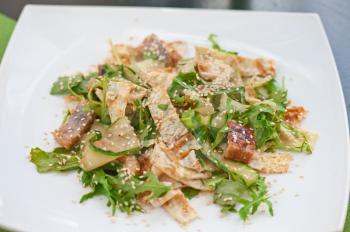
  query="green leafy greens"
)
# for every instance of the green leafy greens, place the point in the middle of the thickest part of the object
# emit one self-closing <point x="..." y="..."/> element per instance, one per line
<point x="143" y="123"/>
<point x="59" y="159"/>
<point x="72" y="85"/>
<point x="264" y="121"/>
<point x="193" y="121"/>
<point x="229" y="194"/>
<point x="163" y="106"/>
<point x="66" y="84"/>
<point x="206" y="108"/>
<point x="120" y="71"/>
<point x="99" y="104"/>
<point x="120" y="188"/>
<point x="298" y="140"/>
<point x="241" y="186"/>
<point x="272" y="91"/>
<point x="181" y="82"/>
<point x="216" y="46"/>
<point x="190" y="192"/>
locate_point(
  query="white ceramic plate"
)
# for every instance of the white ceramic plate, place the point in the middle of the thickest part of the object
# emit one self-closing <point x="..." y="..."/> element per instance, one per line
<point x="51" y="41"/>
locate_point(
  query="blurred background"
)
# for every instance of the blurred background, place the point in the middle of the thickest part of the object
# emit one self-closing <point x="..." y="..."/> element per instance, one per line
<point x="335" y="15"/>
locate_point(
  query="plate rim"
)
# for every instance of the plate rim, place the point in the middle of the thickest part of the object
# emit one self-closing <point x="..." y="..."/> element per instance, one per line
<point x="29" y="7"/>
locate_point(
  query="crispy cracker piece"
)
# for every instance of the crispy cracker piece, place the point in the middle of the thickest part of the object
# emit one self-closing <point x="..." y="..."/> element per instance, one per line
<point x="180" y="209"/>
<point x="266" y="162"/>
<point x="294" y="115"/>
<point x="174" y="169"/>
<point x="249" y="67"/>
<point x="119" y="93"/>
<point x="218" y="68"/>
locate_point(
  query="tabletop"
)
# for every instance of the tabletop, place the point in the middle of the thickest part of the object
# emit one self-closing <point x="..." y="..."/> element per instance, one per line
<point x="334" y="15"/>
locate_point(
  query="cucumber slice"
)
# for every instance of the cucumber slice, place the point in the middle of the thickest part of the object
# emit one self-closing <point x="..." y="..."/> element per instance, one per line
<point x="104" y="145"/>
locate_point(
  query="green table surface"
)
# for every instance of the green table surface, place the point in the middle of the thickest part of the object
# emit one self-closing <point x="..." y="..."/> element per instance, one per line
<point x="6" y="27"/>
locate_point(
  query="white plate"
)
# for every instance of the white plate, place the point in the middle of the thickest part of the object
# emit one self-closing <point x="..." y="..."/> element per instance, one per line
<point x="51" y="41"/>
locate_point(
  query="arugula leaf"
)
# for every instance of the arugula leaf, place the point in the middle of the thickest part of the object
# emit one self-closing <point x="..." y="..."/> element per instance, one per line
<point x="59" y="159"/>
<point x="121" y="189"/>
<point x="264" y="121"/>
<point x="110" y="71"/>
<point x="181" y="82"/>
<point x="151" y="184"/>
<point x="65" y="84"/>
<point x="184" y="94"/>
<point x="99" y="106"/>
<point x="120" y="71"/>
<point x="257" y="197"/>
<point x="65" y="116"/>
<point x="213" y="134"/>
<point x="241" y="185"/>
<point x="193" y="122"/>
<point x="217" y="127"/>
<point x="101" y="185"/>
<point x="190" y="192"/>
<point x="73" y="85"/>
<point x="216" y="179"/>
<point x="163" y="106"/>
<point x="235" y="93"/>
<point x="298" y="141"/>
<point x="271" y="90"/>
<point x="143" y="123"/>
<point x="231" y="194"/>
<point x="216" y="46"/>
<point x="82" y="87"/>
<point x="228" y="109"/>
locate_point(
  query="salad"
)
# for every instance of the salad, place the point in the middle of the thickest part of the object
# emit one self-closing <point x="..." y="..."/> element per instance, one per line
<point x="150" y="127"/>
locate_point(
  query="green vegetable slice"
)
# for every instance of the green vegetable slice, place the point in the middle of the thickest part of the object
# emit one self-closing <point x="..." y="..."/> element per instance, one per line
<point x="120" y="139"/>
<point x="105" y="143"/>
<point x="194" y="123"/>
<point x="96" y="136"/>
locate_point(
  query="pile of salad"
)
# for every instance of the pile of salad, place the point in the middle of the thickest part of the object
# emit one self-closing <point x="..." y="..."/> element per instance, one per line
<point x="150" y="127"/>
